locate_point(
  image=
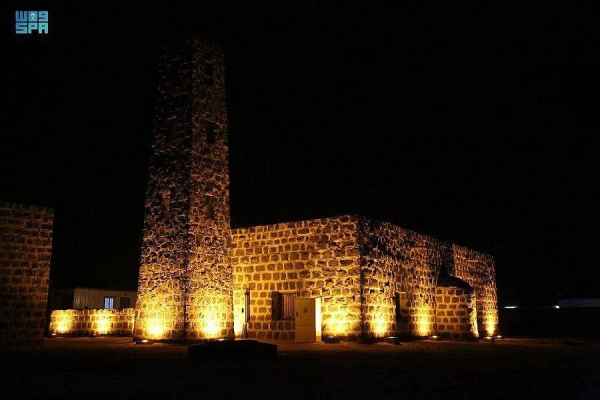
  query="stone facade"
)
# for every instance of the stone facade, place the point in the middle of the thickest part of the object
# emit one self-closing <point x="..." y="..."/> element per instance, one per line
<point x="399" y="260"/>
<point x="371" y="276"/>
<point x="455" y="314"/>
<point x="199" y="279"/>
<point x="317" y="258"/>
<point x="25" y="253"/>
<point x="185" y="280"/>
<point x="479" y="271"/>
<point x="92" y="322"/>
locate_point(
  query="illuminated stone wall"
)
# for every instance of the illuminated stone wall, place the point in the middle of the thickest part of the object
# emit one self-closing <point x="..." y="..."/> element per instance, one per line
<point x="395" y="260"/>
<point x="316" y="258"/>
<point x="479" y="271"/>
<point x="456" y="317"/>
<point x="92" y="322"/>
<point x="25" y="253"/>
<point x="399" y="260"/>
<point x="362" y="269"/>
<point x="185" y="281"/>
<point x="192" y="287"/>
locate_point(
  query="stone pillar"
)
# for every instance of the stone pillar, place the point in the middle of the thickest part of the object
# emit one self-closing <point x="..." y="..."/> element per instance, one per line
<point x="25" y="253"/>
<point x="185" y="282"/>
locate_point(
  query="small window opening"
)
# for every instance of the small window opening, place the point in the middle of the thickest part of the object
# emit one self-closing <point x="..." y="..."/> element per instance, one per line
<point x="109" y="303"/>
<point x="283" y="305"/>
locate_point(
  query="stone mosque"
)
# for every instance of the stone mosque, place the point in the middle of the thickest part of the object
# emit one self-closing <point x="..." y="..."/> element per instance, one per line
<point x="348" y="277"/>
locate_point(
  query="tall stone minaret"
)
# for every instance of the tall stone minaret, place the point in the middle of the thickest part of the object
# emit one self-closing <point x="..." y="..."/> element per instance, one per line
<point x="185" y="281"/>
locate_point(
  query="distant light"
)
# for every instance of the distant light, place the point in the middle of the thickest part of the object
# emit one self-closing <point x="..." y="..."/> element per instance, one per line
<point x="556" y="306"/>
<point x="512" y="306"/>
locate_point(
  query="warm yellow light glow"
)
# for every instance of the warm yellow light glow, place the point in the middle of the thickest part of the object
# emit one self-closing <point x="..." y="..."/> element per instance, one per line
<point x="238" y="329"/>
<point x="103" y="325"/>
<point x="63" y="326"/>
<point x="338" y="327"/>
<point x="156" y="327"/>
<point x="238" y="323"/>
<point x="423" y="323"/>
<point x="490" y="325"/>
<point x="104" y="318"/>
<point x="212" y="327"/>
<point x="212" y="316"/>
<point x="379" y="325"/>
<point x="474" y="327"/>
<point x="318" y="319"/>
<point x="490" y="329"/>
<point x="337" y="324"/>
<point x="64" y="323"/>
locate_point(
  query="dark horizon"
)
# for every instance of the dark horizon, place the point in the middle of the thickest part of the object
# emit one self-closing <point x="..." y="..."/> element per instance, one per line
<point x="461" y="121"/>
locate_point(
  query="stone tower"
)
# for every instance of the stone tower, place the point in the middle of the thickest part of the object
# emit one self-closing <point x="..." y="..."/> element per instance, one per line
<point x="185" y="281"/>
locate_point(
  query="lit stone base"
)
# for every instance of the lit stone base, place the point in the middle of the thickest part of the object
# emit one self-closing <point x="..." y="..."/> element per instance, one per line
<point x="92" y="322"/>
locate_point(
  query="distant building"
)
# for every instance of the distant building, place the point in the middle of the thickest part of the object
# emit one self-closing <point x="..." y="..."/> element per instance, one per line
<point x="92" y="299"/>
<point x="567" y="303"/>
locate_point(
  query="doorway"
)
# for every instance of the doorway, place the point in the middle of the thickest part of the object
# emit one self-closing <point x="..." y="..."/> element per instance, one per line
<point x="308" y="319"/>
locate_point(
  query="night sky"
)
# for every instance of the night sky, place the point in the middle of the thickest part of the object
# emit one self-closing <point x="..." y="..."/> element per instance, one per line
<point x="474" y="122"/>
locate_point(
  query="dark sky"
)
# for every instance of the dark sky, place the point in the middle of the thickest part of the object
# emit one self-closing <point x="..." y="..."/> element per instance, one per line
<point x="475" y="122"/>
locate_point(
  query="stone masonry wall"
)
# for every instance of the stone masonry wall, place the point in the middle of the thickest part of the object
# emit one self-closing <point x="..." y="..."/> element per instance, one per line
<point x="210" y="290"/>
<point x="316" y="258"/>
<point x="479" y="271"/>
<point x="166" y="243"/>
<point x="188" y="288"/>
<point x="394" y="259"/>
<point x="25" y="253"/>
<point x="92" y="322"/>
<point x="455" y="315"/>
<point x="366" y="272"/>
<point x="185" y="280"/>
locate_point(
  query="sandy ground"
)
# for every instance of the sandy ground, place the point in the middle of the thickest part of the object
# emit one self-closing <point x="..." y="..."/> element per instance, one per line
<point x="117" y="368"/>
